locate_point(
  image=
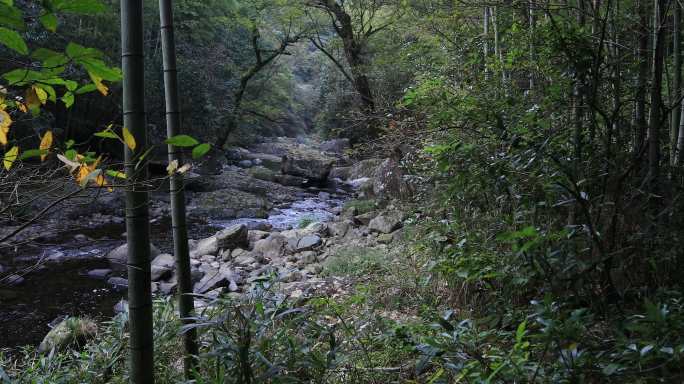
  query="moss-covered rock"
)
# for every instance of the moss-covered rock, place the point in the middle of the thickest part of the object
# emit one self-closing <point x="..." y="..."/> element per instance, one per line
<point x="70" y="332"/>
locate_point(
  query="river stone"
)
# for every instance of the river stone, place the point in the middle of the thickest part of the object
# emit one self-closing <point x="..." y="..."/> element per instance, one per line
<point x="162" y="266"/>
<point x="228" y="238"/>
<point x="386" y="222"/>
<point x="245" y="163"/>
<point x="308" y="165"/>
<point x="339" y="228"/>
<point x="101" y="273"/>
<point x="341" y="173"/>
<point x="272" y="247"/>
<point x="70" y="331"/>
<point x="215" y="278"/>
<point x="365" y="218"/>
<point x="290" y="180"/>
<point x="307" y="257"/>
<point x="305" y="243"/>
<point x="255" y="235"/>
<point x="119" y="255"/>
<point x="118" y="283"/>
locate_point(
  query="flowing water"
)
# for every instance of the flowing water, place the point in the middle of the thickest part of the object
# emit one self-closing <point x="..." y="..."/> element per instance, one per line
<point x="57" y="283"/>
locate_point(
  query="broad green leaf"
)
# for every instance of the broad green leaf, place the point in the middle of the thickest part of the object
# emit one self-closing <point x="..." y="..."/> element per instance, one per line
<point x="68" y="99"/>
<point x="10" y="157"/>
<point x="11" y="16"/>
<point x="107" y="134"/>
<point x="200" y="150"/>
<point x="85" y="89"/>
<point x="49" y="21"/>
<point x="50" y="58"/>
<point x="71" y="154"/>
<point x="13" y="41"/>
<point x="182" y="141"/>
<point x="33" y="153"/>
<point x="77" y="52"/>
<point x="129" y="140"/>
<point x="83" y="7"/>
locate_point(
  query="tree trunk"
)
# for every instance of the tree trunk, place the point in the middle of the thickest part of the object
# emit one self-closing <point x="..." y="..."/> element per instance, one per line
<point x="485" y="46"/>
<point x="137" y="217"/>
<point x="181" y="251"/>
<point x="656" y="96"/>
<point x="640" y="102"/>
<point x="677" y="82"/>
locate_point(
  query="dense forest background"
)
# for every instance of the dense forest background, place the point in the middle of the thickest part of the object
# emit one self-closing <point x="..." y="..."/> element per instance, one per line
<point x="538" y="147"/>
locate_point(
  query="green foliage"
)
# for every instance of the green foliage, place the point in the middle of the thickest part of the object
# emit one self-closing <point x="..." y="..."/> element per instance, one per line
<point x="360" y="206"/>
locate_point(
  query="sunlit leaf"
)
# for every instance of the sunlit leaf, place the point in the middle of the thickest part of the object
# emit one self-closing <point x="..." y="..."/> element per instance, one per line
<point x="13" y="41"/>
<point x="49" y="21"/>
<point x="72" y="165"/>
<point x="45" y="144"/>
<point x="182" y="141"/>
<point x="200" y="150"/>
<point x="171" y="168"/>
<point x="107" y="134"/>
<point x="129" y="140"/>
<point x="32" y="153"/>
<point x="117" y="174"/>
<point x="10" y="157"/>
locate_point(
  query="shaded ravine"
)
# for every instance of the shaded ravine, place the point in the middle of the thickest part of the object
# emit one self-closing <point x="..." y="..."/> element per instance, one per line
<point x="58" y="283"/>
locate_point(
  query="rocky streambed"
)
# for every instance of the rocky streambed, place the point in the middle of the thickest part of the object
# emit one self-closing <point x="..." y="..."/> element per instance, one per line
<point x="250" y="220"/>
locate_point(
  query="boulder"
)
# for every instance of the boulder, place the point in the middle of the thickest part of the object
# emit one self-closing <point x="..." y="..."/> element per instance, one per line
<point x="306" y="243"/>
<point x="121" y="306"/>
<point x="245" y="163"/>
<point x="255" y="235"/>
<point x="236" y="153"/>
<point x="101" y="273"/>
<point x="290" y="181"/>
<point x="339" y="228"/>
<point x="118" y="283"/>
<point x="336" y="146"/>
<point x="228" y="238"/>
<point x="386" y="222"/>
<point x="389" y="183"/>
<point x="341" y="173"/>
<point x="216" y="278"/>
<point x="162" y="266"/>
<point x="229" y="203"/>
<point x="312" y="167"/>
<point x="272" y="247"/>
<point x="365" y="218"/>
<point x="72" y="331"/>
<point x="364" y="169"/>
<point x="262" y="173"/>
<point x="119" y="255"/>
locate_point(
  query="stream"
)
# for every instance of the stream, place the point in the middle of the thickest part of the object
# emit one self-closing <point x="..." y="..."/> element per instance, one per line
<point x="57" y="282"/>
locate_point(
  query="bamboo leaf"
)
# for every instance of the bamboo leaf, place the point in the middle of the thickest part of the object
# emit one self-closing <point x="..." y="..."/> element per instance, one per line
<point x="129" y="140"/>
<point x="10" y="157"/>
<point x="13" y="41"/>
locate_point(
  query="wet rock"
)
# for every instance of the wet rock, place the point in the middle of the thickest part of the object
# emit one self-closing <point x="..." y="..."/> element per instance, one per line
<point x="208" y="259"/>
<point x="236" y="153"/>
<point x="101" y="274"/>
<point x="262" y="173"/>
<point x="386" y="222"/>
<point x="290" y="181"/>
<point x="229" y="203"/>
<point x="118" y="283"/>
<point x="308" y="165"/>
<point x="72" y="331"/>
<point x="245" y="163"/>
<point x="119" y="255"/>
<point x="81" y="238"/>
<point x="162" y="266"/>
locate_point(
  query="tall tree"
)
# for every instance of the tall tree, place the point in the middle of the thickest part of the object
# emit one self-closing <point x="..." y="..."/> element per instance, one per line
<point x="141" y="347"/>
<point x="180" y="232"/>
<point x="659" y="9"/>
<point x="676" y="82"/>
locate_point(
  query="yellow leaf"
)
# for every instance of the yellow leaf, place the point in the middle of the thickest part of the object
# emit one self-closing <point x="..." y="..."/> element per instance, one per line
<point x="171" y="168"/>
<point x="129" y="139"/>
<point x="22" y="107"/>
<point x="10" y="157"/>
<point x="99" y="85"/>
<point x="32" y="100"/>
<point x="82" y="174"/>
<point x="42" y="95"/>
<point x="3" y="135"/>
<point x="45" y="144"/>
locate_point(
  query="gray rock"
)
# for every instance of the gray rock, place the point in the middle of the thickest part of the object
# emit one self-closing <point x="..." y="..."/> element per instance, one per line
<point x="307" y="257"/>
<point x="310" y="166"/>
<point x="118" y="283"/>
<point x="305" y="243"/>
<point x="215" y="278"/>
<point x="162" y="266"/>
<point x="385" y="238"/>
<point x="101" y="274"/>
<point x="364" y="169"/>
<point x="336" y="146"/>
<point x="168" y="288"/>
<point x="290" y="180"/>
<point x="2" y="269"/>
<point x="121" y="306"/>
<point x="386" y="222"/>
<point x="339" y="228"/>
<point x="245" y="163"/>
<point x="119" y="255"/>
<point x="272" y="247"/>
<point x="341" y="173"/>
<point x="255" y="235"/>
<point x="366" y="218"/>
<point x="233" y="237"/>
